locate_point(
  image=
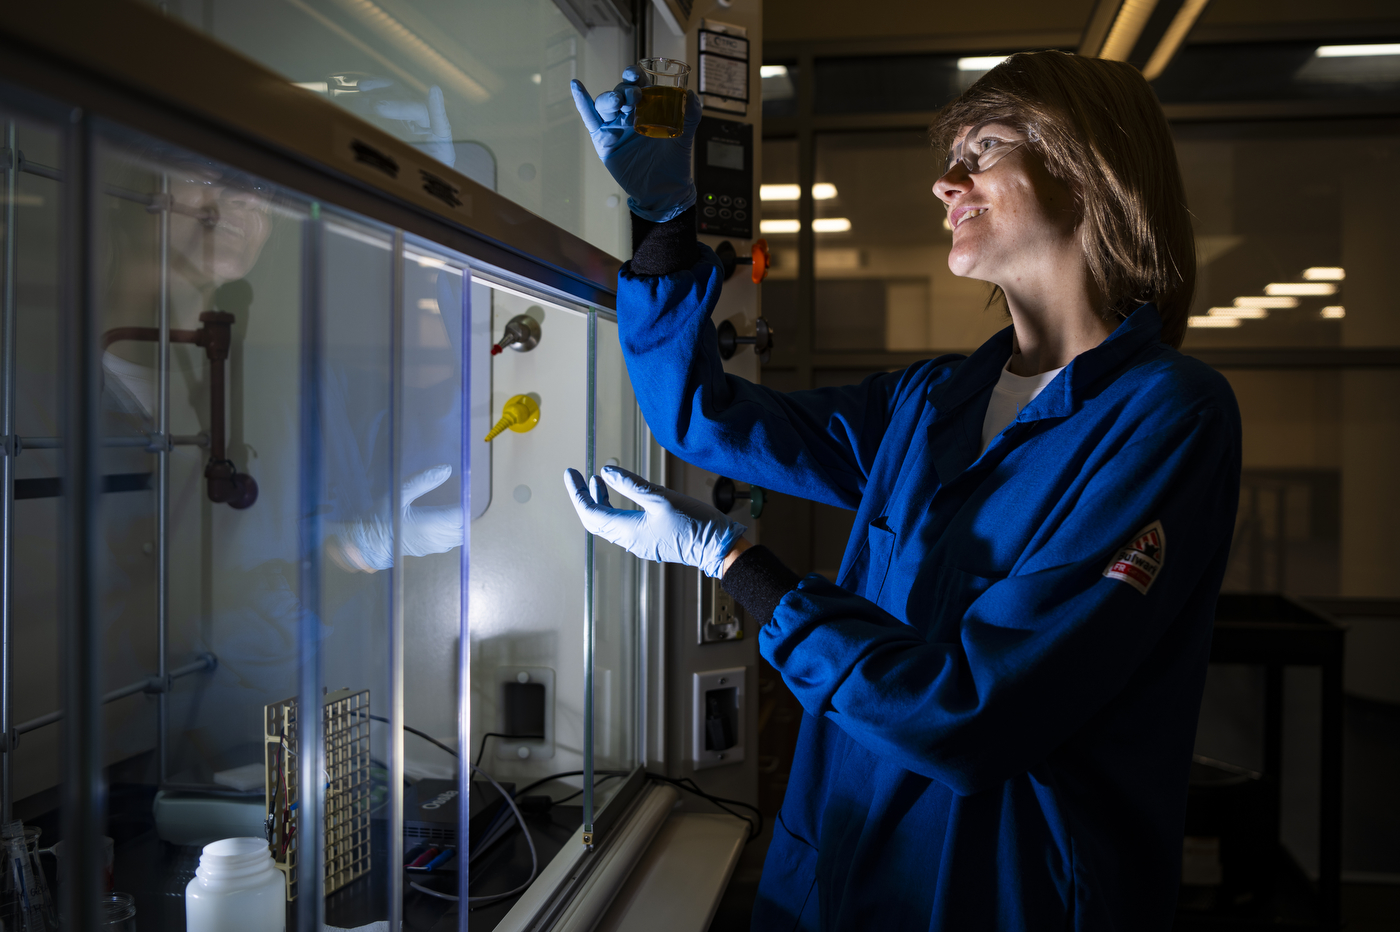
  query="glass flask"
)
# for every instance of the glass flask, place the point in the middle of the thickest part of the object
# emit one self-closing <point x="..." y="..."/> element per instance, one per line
<point x="25" y="904"/>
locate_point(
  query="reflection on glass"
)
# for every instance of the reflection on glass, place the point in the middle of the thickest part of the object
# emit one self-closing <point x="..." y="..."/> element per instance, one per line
<point x="882" y="251"/>
<point x="481" y="86"/>
<point x="1279" y="71"/>
<point x="1305" y="272"/>
<point x="779" y="88"/>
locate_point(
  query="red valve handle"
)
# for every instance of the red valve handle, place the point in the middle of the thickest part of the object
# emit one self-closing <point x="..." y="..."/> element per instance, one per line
<point x="762" y="259"/>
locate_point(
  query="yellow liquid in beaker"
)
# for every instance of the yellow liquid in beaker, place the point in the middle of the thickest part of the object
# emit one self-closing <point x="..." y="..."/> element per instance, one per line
<point x="661" y="112"/>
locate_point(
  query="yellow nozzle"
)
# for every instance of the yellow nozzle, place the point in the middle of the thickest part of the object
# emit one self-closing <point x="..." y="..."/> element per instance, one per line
<point x="520" y="414"/>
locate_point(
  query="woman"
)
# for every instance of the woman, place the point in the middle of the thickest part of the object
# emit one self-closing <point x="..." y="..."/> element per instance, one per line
<point x="1001" y="689"/>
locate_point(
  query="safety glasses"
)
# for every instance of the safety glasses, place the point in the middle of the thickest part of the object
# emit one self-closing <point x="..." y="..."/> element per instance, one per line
<point x="986" y="144"/>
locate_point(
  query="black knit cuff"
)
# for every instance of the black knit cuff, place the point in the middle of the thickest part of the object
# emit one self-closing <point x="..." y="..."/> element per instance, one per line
<point x="758" y="580"/>
<point x="663" y="248"/>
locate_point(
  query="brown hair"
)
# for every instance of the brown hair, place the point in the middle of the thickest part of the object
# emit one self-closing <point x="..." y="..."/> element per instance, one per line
<point x="1102" y="132"/>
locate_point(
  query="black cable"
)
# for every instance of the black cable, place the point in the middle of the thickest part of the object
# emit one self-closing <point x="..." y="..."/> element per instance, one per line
<point x="497" y="734"/>
<point x="579" y="791"/>
<point x="755" y="829"/>
<point x="568" y="773"/>
<point x="422" y="734"/>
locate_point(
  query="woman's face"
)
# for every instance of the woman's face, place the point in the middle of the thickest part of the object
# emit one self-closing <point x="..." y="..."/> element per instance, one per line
<point x="1013" y="224"/>
<point x="223" y="244"/>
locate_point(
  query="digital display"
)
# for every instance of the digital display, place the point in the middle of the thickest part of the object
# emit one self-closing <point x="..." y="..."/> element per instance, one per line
<point x="721" y="153"/>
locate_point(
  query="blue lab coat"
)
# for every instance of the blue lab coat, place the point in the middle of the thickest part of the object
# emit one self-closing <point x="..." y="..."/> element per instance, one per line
<point x="999" y="715"/>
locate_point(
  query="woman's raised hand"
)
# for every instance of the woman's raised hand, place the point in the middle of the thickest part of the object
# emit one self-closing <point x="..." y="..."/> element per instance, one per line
<point x="655" y="173"/>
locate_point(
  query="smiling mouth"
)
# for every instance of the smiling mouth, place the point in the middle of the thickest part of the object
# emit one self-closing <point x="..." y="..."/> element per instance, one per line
<point x="965" y="214"/>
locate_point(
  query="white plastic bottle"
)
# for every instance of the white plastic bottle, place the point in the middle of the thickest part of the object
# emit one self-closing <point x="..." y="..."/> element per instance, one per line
<point x="236" y="889"/>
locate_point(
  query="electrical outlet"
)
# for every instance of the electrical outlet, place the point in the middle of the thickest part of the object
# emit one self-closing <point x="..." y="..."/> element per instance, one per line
<point x="525" y="706"/>
<point x="717" y="718"/>
<point x="720" y="617"/>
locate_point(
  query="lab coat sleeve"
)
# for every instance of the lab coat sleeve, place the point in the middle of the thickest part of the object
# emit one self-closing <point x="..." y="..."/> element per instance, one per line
<point x="1038" y="652"/>
<point x="815" y="444"/>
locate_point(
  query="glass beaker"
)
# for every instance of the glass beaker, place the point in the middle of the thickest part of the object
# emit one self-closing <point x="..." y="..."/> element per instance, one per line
<point x="25" y="904"/>
<point x="661" y="109"/>
<point x="118" y="912"/>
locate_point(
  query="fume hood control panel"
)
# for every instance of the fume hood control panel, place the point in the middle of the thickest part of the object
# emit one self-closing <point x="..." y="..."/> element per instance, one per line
<point x="724" y="177"/>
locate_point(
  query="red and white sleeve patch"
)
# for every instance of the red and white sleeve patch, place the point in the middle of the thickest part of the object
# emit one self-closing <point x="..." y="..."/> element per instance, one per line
<point x="1138" y="563"/>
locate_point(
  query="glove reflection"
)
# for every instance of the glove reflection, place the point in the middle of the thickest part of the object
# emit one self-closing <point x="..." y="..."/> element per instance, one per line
<point x="670" y="528"/>
<point x="367" y="545"/>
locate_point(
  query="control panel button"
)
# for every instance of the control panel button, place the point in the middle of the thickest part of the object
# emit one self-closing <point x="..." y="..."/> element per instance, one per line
<point x="741" y="215"/>
<point x="724" y="200"/>
<point x="709" y="198"/>
<point x="709" y="211"/>
<point x="741" y="202"/>
<point x="724" y="213"/>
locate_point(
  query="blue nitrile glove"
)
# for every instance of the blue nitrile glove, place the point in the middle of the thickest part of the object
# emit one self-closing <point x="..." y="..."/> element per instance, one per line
<point x="671" y="528"/>
<point x="368" y="544"/>
<point x="422" y="118"/>
<point x="655" y="173"/>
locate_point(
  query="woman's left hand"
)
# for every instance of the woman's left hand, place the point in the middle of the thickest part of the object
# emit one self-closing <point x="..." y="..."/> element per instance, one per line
<point x="670" y="528"/>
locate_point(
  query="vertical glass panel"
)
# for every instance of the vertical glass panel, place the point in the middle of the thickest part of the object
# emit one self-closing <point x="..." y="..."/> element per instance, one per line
<point x="31" y="328"/>
<point x="779" y="89"/>
<point x="892" y="83"/>
<point x="482" y="86"/>
<point x="430" y="451"/>
<point x="616" y="583"/>
<point x="357" y="266"/>
<point x="526" y="602"/>
<point x="200" y="275"/>
<point x="1311" y="276"/>
<point x="778" y="195"/>
<point x="1275" y="272"/>
<point x="882" y="251"/>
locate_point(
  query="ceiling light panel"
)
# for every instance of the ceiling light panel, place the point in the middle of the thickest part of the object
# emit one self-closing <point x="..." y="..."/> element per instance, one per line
<point x="1357" y="51"/>
<point x="1324" y="273"/>
<point x="779" y="226"/>
<point x="980" y="62"/>
<point x="831" y="225"/>
<point x="1244" y="313"/>
<point x="1216" y="323"/>
<point x="1261" y="301"/>
<point x="1300" y="289"/>
<point x="1334" y="312"/>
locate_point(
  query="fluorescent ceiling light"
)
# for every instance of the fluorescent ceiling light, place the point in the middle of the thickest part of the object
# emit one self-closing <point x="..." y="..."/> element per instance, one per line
<point x="1127" y="27"/>
<point x="1171" y="40"/>
<point x="1258" y="301"/>
<point x="779" y="226"/>
<point x="1324" y="273"/>
<point x="1144" y="33"/>
<point x="830" y="225"/>
<point x="1216" y="322"/>
<point x="1304" y="289"/>
<point x="1249" y="313"/>
<point x="1356" y="51"/>
<point x="981" y="62"/>
<point x="1334" y="312"/>
<point x="772" y="71"/>
<point x="791" y="192"/>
